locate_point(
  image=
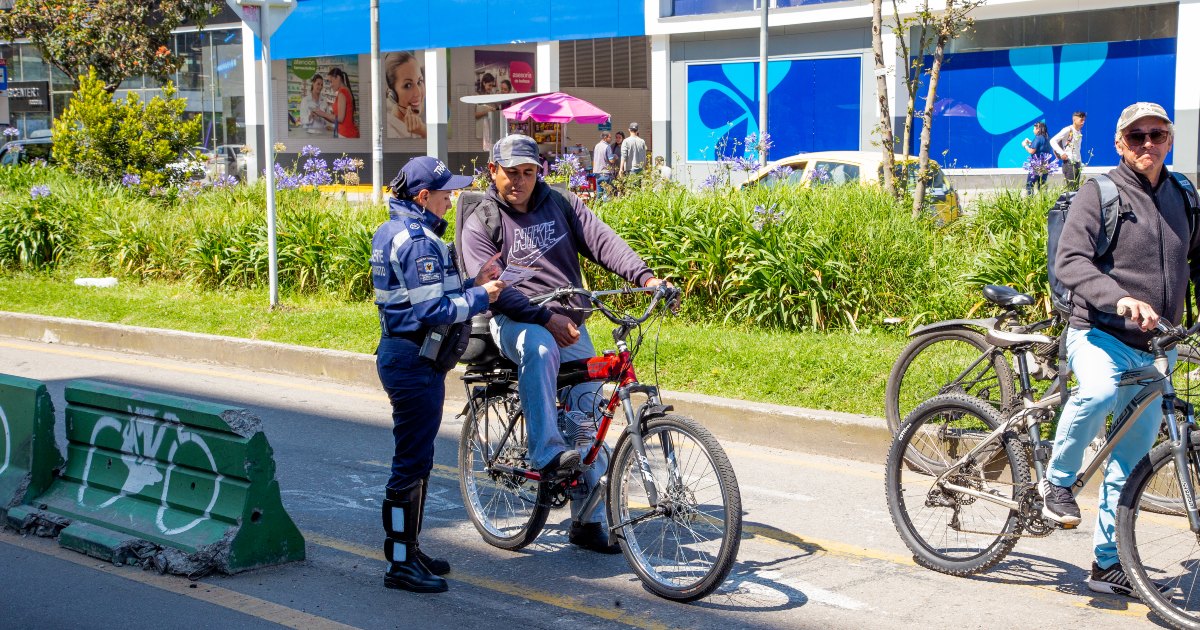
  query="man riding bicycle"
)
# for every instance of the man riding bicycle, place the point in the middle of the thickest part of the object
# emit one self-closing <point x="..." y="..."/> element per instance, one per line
<point x="544" y="231"/>
<point x="1118" y="297"/>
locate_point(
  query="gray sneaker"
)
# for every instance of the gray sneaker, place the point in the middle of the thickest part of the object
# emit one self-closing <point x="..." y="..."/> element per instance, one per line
<point x="1058" y="504"/>
<point x="1113" y="580"/>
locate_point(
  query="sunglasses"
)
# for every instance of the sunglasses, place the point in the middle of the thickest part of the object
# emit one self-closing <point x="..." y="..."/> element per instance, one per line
<point x="1138" y="138"/>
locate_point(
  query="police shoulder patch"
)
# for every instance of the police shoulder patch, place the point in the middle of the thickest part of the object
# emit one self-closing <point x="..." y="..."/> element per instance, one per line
<point x="428" y="270"/>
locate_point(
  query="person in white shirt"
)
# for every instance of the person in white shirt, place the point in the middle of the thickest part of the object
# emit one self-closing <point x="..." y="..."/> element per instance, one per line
<point x="1066" y="145"/>
<point x="312" y="102"/>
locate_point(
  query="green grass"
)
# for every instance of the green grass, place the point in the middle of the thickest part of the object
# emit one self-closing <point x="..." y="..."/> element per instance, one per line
<point x="840" y="371"/>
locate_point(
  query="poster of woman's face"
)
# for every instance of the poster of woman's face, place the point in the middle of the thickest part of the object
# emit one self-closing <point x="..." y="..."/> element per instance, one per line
<point x="500" y="72"/>
<point x="404" y="94"/>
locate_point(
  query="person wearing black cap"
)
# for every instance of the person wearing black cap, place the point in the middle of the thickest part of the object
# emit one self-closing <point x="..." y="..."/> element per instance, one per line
<point x="417" y="287"/>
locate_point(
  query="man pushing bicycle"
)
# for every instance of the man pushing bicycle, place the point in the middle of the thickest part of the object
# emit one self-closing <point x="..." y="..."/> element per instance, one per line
<point x="540" y="233"/>
<point x="1117" y="299"/>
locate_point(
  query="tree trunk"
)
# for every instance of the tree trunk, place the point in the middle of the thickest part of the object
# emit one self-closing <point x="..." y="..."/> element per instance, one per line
<point x="927" y="116"/>
<point x="885" y="113"/>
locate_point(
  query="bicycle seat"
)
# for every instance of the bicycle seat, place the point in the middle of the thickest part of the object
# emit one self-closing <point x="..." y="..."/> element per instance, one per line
<point x="1006" y="296"/>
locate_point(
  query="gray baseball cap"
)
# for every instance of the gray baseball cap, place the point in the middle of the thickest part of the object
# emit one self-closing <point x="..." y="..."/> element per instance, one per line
<point x="514" y="150"/>
<point x="1141" y="110"/>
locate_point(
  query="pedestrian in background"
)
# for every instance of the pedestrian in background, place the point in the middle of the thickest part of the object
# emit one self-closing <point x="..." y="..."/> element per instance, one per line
<point x="1067" y="145"/>
<point x="417" y="287"/>
<point x="633" y="152"/>
<point x="603" y="162"/>
<point x="1040" y="157"/>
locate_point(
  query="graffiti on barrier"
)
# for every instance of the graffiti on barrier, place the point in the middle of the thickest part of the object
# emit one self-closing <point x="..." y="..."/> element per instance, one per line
<point x="142" y="443"/>
<point x="6" y="445"/>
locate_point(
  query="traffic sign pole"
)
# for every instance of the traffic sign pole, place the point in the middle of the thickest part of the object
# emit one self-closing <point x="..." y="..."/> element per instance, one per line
<point x="269" y="141"/>
<point x="257" y="15"/>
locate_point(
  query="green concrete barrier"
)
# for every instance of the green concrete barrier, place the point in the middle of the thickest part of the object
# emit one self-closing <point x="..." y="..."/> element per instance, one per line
<point x="186" y="484"/>
<point x="28" y="456"/>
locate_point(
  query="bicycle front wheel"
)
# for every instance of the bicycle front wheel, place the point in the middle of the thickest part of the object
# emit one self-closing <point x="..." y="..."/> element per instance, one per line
<point x="950" y="524"/>
<point x="1162" y="494"/>
<point x="683" y="544"/>
<point x="1161" y="548"/>
<point x="944" y="361"/>
<point x="508" y="509"/>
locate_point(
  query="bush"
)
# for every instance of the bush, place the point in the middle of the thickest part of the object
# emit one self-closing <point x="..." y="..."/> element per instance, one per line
<point x="104" y="139"/>
<point x="37" y="232"/>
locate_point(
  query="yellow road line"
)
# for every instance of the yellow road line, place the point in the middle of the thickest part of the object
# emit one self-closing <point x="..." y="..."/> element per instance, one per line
<point x="564" y="602"/>
<point x="203" y="591"/>
<point x="203" y="371"/>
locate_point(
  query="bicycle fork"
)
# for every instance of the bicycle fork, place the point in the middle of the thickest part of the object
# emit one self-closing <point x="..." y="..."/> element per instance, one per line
<point x="1182" y="453"/>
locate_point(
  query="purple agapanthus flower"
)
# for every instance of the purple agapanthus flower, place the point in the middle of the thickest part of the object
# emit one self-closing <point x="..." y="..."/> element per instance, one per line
<point x="313" y="165"/>
<point x="11" y="132"/>
<point x="1041" y="164"/>
<point x="782" y="173"/>
<point x="711" y="182"/>
<point x="343" y="165"/>
<point x="820" y="175"/>
<point x="38" y="192"/>
<point x="316" y="178"/>
<point x="129" y="180"/>
<point x="225" y="181"/>
<point x="310" y="151"/>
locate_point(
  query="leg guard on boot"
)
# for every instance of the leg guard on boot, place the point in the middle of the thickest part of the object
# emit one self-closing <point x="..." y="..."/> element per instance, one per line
<point x="436" y="566"/>
<point x="402" y="522"/>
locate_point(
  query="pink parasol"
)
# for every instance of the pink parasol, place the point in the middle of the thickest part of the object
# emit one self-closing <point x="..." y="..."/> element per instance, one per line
<point x="556" y="108"/>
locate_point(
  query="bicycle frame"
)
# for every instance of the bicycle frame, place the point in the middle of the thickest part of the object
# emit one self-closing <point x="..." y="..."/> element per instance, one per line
<point x="1154" y="381"/>
<point x="627" y="386"/>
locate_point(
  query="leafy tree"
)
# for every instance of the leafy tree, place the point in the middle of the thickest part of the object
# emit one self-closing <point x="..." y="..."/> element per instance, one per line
<point x="105" y="139"/>
<point x="119" y="38"/>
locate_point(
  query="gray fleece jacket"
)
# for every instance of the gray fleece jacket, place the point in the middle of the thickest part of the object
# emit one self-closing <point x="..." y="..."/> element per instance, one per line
<point x="543" y="237"/>
<point x="1149" y="258"/>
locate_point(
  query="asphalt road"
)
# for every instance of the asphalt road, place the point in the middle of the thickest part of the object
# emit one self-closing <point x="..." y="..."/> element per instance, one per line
<point x="819" y="549"/>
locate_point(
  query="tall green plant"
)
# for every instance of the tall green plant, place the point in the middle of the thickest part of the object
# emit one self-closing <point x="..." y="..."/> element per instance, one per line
<point x="38" y="231"/>
<point x="103" y="138"/>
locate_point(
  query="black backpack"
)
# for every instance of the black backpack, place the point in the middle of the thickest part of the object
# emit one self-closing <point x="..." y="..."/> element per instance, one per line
<point x="1110" y="211"/>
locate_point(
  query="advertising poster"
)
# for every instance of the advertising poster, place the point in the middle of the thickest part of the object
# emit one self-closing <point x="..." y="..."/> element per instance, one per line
<point x="404" y="94"/>
<point x="988" y="101"/>
<point x="323" y="97"/>
<point x="814" y="106"/>
<point x="500" y="72"/>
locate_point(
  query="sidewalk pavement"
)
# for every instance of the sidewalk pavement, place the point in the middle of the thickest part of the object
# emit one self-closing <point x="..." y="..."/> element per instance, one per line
<point x="831" y="433"/>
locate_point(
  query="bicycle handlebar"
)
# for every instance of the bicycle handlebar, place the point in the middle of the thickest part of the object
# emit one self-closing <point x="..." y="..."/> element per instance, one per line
<point x="661" y="292"/>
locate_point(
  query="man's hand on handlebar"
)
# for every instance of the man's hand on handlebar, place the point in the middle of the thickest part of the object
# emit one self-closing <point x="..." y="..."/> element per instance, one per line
<point x="1138" y="312"/>
<point x="564" y="330"/>
<point x="674" y="303"/>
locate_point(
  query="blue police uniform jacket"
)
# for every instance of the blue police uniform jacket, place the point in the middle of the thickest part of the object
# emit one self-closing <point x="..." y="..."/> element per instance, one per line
<point x="416" y="281"/>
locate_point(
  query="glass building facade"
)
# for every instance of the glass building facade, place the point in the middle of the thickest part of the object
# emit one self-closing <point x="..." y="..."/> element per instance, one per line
<point x="210" y="78"/>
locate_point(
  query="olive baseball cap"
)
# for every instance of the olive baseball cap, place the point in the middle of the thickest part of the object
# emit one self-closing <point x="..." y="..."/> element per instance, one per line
<point x="1141" y="110"/>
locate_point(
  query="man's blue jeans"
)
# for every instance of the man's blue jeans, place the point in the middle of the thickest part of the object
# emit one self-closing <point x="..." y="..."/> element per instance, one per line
<point x="537" y="355"/>
<point x="1098" y="359"/>
<point x="603" y="185"/>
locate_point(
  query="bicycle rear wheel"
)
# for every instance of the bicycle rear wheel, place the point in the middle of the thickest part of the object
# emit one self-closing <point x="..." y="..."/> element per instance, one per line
<point x="682" y="548"/>
<point x="950" y="531"/>
<point x="1159" y="548"/>
<point x="508" y="509"/>
<point x="944" y="361"/>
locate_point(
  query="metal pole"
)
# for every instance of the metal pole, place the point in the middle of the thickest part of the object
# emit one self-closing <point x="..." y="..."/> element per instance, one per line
<point x="269" y="154"/>
<point x="762" y="81"/>
<point x="376" y="108"/>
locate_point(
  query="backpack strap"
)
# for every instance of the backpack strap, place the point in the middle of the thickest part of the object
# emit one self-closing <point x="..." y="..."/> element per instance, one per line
<point x="1193" y="214"/>
<point x="1110" y="197"/>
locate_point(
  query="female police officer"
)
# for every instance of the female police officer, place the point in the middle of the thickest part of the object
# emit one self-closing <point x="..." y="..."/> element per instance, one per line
<point x="417" y="286"/>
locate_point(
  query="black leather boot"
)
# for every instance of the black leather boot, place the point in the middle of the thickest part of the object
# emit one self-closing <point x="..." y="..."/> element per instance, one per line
<point x="436" y="566"/>
<point x="402" y="522"/>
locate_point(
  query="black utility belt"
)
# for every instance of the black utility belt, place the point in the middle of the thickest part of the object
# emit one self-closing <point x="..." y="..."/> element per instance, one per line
<point x="415" y="336"/>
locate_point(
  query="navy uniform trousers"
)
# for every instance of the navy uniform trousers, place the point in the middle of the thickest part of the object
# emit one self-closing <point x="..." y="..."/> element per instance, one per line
<point x="417" y="393"/>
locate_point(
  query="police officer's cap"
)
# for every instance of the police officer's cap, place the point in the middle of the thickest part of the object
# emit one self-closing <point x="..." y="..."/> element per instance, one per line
<point x="427" y="173"/>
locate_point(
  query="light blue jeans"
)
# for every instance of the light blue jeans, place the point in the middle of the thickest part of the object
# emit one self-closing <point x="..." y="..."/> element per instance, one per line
<point x="537" y="355"/>
<point x="1098" y="359"/>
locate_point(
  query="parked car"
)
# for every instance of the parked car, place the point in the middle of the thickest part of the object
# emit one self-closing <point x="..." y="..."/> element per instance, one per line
<point x="228" y="159"/>
<point x="866" y="167"/>
<point x="38" y="145"/>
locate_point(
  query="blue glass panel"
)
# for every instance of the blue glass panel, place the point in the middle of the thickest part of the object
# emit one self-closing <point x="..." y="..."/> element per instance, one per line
<point x="801" y="3"/>
<point x="814" y="106"/>
<point x="701" y="7"/>
<point x="988" y="101"/>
